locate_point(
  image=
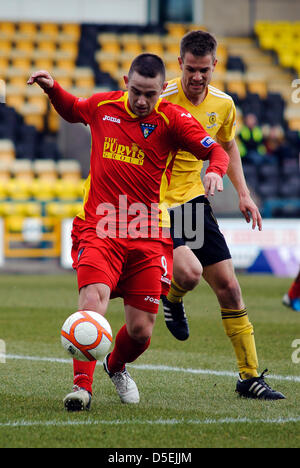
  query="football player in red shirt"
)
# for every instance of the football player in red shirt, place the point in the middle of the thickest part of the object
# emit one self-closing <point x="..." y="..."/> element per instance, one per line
<point x="135" y="136"/>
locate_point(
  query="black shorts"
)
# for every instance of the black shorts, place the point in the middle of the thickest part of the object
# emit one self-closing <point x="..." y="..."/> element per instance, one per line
<point x="213" y="247"/>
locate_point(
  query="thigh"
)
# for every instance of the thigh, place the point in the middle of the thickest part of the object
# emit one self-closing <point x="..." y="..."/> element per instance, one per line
<point x="98" y="260"/>
<point x="148" y="274"/>
<point x="185" y="264"/>
<point x="94" y="297"/>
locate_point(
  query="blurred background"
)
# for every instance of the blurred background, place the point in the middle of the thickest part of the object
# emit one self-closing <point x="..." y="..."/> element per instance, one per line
<point x="87" y="46"/>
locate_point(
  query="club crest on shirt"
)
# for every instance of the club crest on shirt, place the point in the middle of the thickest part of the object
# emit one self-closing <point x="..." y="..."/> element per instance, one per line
<point x="212" y="118"/>
<point x="147" y="129"/>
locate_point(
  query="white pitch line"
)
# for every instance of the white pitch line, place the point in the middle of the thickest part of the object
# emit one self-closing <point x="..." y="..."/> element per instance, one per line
<point x="161" y="422"/>
<point x="163" y="368"/>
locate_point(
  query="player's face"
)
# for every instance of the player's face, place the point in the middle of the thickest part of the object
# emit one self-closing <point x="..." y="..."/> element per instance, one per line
<point x="196" y="73"/>
<point x="143" y="93"/>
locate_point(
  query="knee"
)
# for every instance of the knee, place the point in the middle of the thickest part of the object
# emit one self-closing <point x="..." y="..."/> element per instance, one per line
<point x="140" y="332"/>
<point x="189" y="277"/>
<point x="91" y="299"/>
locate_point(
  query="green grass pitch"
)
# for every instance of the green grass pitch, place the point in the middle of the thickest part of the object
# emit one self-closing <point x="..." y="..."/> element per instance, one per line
<point x="187" y="388"/>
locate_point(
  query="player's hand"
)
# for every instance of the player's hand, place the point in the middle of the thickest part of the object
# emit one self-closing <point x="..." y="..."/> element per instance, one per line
<point x="212" y="182"/>
<point x="250" y="211"/>
<point x="42" y="78"/>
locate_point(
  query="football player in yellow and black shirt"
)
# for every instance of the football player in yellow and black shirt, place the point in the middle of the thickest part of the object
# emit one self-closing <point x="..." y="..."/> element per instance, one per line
<point x="215" y="110"/>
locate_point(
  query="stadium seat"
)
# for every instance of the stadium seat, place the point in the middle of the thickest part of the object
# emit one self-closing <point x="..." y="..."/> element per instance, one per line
<point x="16" y="101"/>
<point x="66" y="190"/>
<point x="176" y="30"/>
<point x="43" y="189"/>
<point x="22" y="169"/>
<point x="131" y="43"/>
<point x="19" y="189"/>
<point x="7" y="151"/>
<point x="72" y="30"/>
<point x="152" y="44"/>
<point x="27" y="28"/>
<point x="8" y="28"/>
<point x="14" y="224"/>
<point x="69" y="170"/>
<point x="5" y="169"/>
<point x="57" y="210"/>
<point x="109" y="43"/>
<point x="45" y="170"/>
<point x="51" y="29"/>
<point x="235" y="83"/>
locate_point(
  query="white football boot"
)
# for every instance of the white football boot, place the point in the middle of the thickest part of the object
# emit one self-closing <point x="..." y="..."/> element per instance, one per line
<point x="78" y="400"/>
<point x="125" y="385"/>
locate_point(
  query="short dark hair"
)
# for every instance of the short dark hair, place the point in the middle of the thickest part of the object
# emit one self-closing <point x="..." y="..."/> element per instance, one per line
<point x="199" y="43"/>
<point x="148" y="65"/>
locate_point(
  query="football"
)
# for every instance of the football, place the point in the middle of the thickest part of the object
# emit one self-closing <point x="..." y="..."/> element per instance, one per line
<point x="86" y="336"/>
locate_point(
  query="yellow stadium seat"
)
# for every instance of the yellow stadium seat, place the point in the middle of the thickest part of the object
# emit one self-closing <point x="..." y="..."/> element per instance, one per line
<point x="294" y="123"/>
<point x="5" y="46"/>
<point x="109" y="43"/>
<point x="176" y="29"/>
<point x="7" y="209"/>
<point x="235" y="84"/>
<point x="70" y="47"/>
<point x="51" y="29"/>
<point x="14" y="224"/>
<point x="57" y="210"/>
<point x="22" y="63"/>
<point x="19" y="189"/>
<point x="69" y="170"/>
<point x="28" y="28"/>
<point x="219" y="84"/>
<point x="72" y="30"/>
<point x="131" y="44"/>
<point x="47" y="46"/>
<point x="66" y="190"/>
<point x="17" y="101"/>
<point x="84" y="77"/>
<point x="43" y="63"/>
<point x="153" y="44"/>
<point x="5" y="169"/>
<point x="45" y="169"/>
<point x="25" y="45"/>
<point x="32" y="116"/>
<point x="3" y="64"/>
<point x="257" y="85"/>
<point x="29" y="209"/>
<point x="8" y="28"/>
<point x="7" y="151"/>
<point x="53" y="122"/>
<point x="172" y="45"/>
<point x="40" y="102"/>
<point x="43" y="189"/>
<point x="22" y="169"/>
<point x="66" y="64"/>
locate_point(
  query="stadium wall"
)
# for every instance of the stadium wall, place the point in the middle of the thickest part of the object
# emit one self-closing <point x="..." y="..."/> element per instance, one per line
<point x="78" y="11"/>
<point x="237" y="17"/>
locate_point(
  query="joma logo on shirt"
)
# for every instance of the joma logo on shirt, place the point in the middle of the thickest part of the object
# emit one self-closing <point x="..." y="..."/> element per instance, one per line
<point x="112" y="149"/>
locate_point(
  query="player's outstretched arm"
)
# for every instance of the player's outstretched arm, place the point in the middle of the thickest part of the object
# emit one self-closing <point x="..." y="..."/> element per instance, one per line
<point x="42" y="78"/>
<point x="66" y="105"/>
<point x="235" y="173"/>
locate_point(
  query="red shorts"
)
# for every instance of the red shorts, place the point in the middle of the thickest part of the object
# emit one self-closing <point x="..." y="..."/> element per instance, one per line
<point x="139" y="270"/>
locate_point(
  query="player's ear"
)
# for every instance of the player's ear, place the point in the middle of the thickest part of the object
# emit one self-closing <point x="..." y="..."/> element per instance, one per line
<point x="180" y="61"/>
<point x="126" y="80"/>
<point x="165" y="85"/>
